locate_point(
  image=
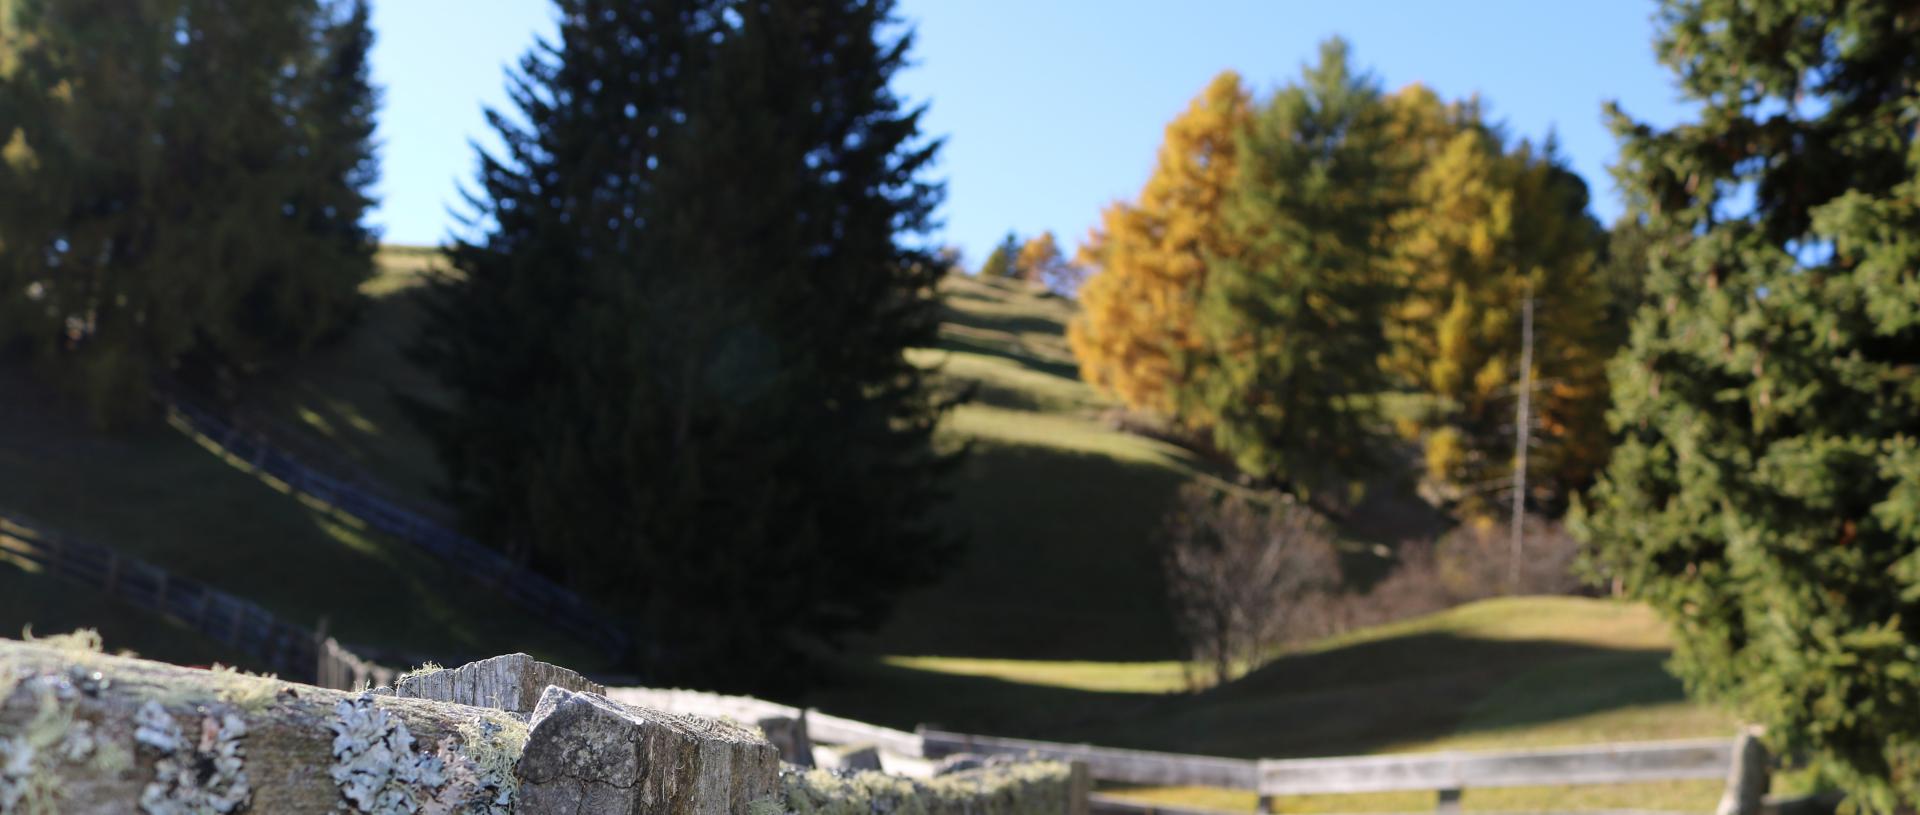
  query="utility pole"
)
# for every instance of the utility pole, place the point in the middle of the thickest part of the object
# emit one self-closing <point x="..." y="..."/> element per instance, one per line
<point x="1523" y="431"/>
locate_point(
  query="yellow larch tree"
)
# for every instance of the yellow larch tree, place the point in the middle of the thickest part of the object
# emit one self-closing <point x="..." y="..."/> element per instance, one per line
<point x="1486" y="229"/>
<point x="1134" y="337"/>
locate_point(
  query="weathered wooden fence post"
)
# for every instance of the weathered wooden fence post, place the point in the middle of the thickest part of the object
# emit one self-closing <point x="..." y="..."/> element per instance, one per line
<point x="1080" y="788"/>
<point x="83" y="732"/>
<point x="1749" y="777"/>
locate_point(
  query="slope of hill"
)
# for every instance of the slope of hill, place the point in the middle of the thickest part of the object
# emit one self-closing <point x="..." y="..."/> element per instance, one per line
<point x="152" y="492"/>
<point x="1060" y="509"/>
<point x="1508" y="673"/>
<point x="1052" y="626"/>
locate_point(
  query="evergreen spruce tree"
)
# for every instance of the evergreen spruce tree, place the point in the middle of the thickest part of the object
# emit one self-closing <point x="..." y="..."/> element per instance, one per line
<point x="311" y="289"/>
<point x="167" y="200"/>
<point x="1003" y="260"/>
<point x="1765" y="496"/>
<point x="676" y="340"/>
<point x="1292" y="320"/>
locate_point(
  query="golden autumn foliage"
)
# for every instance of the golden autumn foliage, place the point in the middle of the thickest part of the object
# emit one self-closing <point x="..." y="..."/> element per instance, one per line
<point x="1040" y="261"/>
<point x="1470" y="225"/>
<point x="1485" y="229"/>
<point x="1149" y="258"/>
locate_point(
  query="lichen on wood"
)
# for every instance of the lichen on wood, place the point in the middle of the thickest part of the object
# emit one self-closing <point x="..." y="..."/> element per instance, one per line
<point x="379" y="769"/>
<point x="208" y="726"/>
<point x="51" y="737"/>
<point x="195" y="773"/>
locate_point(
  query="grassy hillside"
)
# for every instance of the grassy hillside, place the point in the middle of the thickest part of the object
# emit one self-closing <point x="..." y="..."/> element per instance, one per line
<point x="1059" y="508"/>
<point x="156" y="494"/>
<point x="1053" y="625"/>
<point x="1520" y="672"/>
<point x="1531" y="671"/>
<point x="152" y="492"/>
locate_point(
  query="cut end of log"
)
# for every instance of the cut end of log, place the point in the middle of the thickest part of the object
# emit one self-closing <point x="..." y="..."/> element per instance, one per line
<point x="512" y="682"/>
<point x="588" y="753"/>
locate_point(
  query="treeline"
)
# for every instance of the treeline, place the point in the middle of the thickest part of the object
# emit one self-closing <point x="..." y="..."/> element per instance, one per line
<point x="673" y="332"/>
<point x="183" y="186"/>
<point x="1728" y="380"/>
<point x="1307" y="276"/>
<point x="676" y="343"/>
<point x="1037" y="260"/>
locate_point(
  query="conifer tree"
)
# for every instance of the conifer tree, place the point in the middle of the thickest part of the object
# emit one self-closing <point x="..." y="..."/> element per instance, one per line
<point x="1485" y="230"/>
<point x="171" y="198"/>
<point x="312" y="288"/>
<point x="1041" y="263"/>
<point x="1291" y="319"/>
<point x="1135" y="336"/>
<point x="1765" y="496"/>
<point x="1003" y="261"/>
<point x="677" y="348"/>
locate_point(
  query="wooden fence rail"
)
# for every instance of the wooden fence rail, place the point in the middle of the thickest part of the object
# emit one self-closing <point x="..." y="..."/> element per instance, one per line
<point x="544" y="599"/>
<point x="1108" y="763"/>
<point x="291" y="651"/>
<point x="1595" y="764"/>
<point x="1445" y="773"/>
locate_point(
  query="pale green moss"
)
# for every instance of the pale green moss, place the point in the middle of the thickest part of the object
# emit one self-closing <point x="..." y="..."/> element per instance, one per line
<point x="249" y="692"/>
<point x="111" y="758"/>
<point x="424" y="669"/>
<point x="9" y="681"/>
<point x="1032" y="788"/>
<point x="488" y="751"/>
<point x="80" y="640"/>
<point x="51" y="719"/>
<point x="29" y="784"/>
<point x="494" y="745"/>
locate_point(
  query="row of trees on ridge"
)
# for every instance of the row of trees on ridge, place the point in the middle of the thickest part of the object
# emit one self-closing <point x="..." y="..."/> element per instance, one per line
<point x="1753" y="323"/>
<point x="1294" y="263"/>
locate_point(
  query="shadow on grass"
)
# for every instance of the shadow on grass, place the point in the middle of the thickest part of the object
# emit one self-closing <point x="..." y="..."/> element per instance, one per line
<point x="153" y="493"/>
<point x="342" y="401"/>
<point x="1061" y="562"/>
<point x="1382" y="695"/>
<point x="1010" y="324"/>
<point x="904" y="698"/>
<point x="51" y="605"/>
<point x="1006" y="347"/>
<point x="1362" y="699"/>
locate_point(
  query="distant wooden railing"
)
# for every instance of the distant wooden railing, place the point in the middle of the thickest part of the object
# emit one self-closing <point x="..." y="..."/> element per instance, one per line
<point x="292" y="651"/>
<point x="544" y="599"/>
<point x="1445" y="773"/>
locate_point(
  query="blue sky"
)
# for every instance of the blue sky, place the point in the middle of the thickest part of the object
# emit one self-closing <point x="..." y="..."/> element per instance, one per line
<point x="1053" y="108"/>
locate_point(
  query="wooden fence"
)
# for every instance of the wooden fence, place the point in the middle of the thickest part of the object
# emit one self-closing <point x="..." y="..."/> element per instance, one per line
<point x="291" y="651"/>
<point x="544" y="599"/>
<point x="1445" y="773"/>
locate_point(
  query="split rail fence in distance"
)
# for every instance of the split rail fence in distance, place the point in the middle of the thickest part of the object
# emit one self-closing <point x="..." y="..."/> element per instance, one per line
<point x="546" y="600"/>
<point x="291" y="651"/>
<point x="1445" y="773"/>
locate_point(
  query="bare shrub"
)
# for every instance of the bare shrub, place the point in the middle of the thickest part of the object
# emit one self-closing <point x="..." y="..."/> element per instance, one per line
<point x="1476" y="561"/>
<point x="1467" y="564"/>
<point x="1242" y="576"/>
